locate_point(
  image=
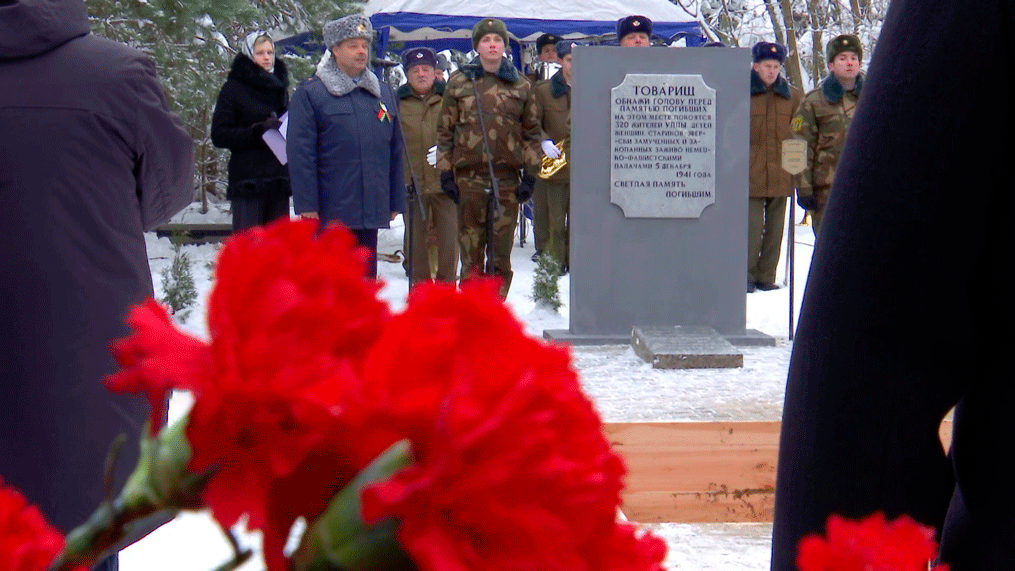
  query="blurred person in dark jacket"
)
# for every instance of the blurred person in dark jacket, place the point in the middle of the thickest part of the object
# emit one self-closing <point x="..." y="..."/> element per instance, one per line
<point x="90" y="158"/>
<point x="880" y="357"/>
<point x="344" y="145"/>
<point x="252" y="101"/>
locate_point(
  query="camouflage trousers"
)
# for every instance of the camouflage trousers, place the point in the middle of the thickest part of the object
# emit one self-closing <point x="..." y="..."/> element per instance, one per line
<point x="473" y="204"/>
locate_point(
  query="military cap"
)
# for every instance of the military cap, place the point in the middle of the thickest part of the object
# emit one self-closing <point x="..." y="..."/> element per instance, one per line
<point x="767" y="50"/>
<point x="546" y="39"/>
<point x="347" y="28"/>
<point x="631" y="24"/>
<point x="564" y="47"/>
<point x="844" y="43"/>
<point x="419" y="56"/>
<point x="488" y="26"/>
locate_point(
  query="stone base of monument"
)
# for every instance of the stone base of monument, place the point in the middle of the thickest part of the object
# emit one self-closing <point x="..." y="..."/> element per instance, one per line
<point x="749" y="338"/>
<point x="565" y="336"/>
<point x="685" y="347"/>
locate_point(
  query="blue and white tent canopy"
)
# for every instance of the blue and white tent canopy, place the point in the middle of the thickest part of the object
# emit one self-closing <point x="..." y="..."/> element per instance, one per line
<point x="443" y="24"/>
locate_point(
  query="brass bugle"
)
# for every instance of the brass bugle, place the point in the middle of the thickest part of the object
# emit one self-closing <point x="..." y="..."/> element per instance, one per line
<point x="551" y="166"/>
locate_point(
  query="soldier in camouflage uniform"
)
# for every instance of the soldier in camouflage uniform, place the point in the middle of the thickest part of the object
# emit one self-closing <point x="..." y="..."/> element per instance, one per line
<point x="823" y="121"/>
<point x="513" y="133"/>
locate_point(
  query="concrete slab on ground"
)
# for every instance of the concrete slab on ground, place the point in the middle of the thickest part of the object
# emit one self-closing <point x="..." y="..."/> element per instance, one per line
<point x="685" y="347"/>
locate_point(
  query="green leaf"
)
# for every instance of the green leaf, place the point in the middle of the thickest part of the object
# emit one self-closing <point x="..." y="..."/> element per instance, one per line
<point x="339" y="540"/>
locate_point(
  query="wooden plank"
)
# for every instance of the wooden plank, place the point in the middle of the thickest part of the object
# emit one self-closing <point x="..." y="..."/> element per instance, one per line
<point x="701" y="471"/>
<point x="697" y="471"/>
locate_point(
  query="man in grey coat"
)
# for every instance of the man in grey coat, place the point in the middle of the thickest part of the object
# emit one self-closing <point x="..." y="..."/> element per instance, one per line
<point x="90" y="158"/>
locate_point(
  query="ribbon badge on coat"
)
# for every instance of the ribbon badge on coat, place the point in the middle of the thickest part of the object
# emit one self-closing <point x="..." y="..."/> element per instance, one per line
<point x="383" y="115"/>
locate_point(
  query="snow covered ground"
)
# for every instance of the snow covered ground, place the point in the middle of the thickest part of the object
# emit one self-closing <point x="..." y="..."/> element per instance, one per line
<point x="624" y="388"/>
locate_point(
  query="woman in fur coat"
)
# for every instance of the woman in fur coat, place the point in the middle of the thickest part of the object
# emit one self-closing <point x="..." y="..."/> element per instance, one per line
<point x="253" y="99"/>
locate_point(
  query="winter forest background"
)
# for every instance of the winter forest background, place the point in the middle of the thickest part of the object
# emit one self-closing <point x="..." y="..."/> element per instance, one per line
<point x="194" y="42"/>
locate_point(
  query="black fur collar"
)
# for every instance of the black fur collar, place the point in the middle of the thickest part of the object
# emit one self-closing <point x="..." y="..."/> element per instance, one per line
<point x="405" y="90"/>
<point x="558" y="87"/>
<point x="833" y="90"/>
<point x="246" y="71"/>
<point x="507" y="72"/>
<point x="780" y="87"/>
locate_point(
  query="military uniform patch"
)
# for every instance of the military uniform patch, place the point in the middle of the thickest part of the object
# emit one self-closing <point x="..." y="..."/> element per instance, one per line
<point x="798" y="122"/>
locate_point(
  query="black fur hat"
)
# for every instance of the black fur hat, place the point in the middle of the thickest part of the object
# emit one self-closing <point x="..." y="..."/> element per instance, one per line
<point x="419" y="56"/>
<point x="631" y="24"/>
<point x="546" y="39"/>
<point x="767" y="50"/>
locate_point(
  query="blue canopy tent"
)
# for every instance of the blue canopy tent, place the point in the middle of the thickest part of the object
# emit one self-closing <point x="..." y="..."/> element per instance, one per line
<point x="447" y="24"/>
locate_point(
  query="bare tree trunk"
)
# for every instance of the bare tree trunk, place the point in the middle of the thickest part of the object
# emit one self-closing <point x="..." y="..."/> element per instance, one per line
<point x="203" y="166"/>
<point x="854" y="7"/>
<point x="817" y="48"/>
<point x="793" y="57"/>
<point x="776" y="26"/>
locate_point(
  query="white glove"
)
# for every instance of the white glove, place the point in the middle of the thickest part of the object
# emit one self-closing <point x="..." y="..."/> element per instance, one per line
<point x="550" y="150"/>
<point x="431" y="156"/>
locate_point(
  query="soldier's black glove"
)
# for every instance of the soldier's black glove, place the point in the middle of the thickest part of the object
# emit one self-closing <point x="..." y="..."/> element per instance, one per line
<point x="525" y="188"/>
<point x="448" y="185"/>
<point x="807" y="202"/>
<point x="272" y="122"/>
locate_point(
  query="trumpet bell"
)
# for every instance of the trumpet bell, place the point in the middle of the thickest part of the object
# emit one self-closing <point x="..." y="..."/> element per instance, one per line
<point x="550" y="167"/>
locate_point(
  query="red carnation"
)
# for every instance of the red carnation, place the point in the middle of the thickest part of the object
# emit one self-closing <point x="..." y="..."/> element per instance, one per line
<point x="508" y="450"/>
<point x="871" y="544"/>
<point x="27" y="542"/>
<point x="156" y="359"/>
<point x="275" y="390"/>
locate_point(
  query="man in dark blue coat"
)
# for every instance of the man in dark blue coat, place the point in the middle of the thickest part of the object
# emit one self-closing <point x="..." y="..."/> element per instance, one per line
<point x="883" y="351"/>
<point x="344" y="139"/>
<point x="90" y="158"/>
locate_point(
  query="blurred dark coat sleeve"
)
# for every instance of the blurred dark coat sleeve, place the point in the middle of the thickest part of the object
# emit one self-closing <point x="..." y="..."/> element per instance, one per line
<point x="165" y="161"/>
<point x="906" y="312"/>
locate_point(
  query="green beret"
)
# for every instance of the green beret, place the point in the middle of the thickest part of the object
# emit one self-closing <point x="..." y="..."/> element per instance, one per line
<point x="488" y="26"/>
<point x="844" y="43"/>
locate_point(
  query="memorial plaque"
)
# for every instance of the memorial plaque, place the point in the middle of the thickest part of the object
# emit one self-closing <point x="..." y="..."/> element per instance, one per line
<point x="663" y="146"/>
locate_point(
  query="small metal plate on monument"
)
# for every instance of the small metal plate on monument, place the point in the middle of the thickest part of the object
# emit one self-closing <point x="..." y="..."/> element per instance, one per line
<point x="662" y="146"/>
<point x="794" y="156"/>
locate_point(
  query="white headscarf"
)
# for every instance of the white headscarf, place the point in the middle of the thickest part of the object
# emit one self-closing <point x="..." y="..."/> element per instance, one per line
<point x="247" y="45"/>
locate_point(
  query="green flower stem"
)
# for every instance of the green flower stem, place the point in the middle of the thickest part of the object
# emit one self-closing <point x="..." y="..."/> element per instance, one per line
<point x="155" y="492"/>
<point x="338" y="540"/>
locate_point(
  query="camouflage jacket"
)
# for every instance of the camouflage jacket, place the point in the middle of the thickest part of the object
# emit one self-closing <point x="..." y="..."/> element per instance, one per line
<point x="509" y="113"/>
<point x="553" y="106"/>
<point x="823" y="121"/>
<point x="419" y="125"/>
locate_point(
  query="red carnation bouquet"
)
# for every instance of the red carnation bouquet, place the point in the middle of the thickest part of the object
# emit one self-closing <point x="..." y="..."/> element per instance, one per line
<point x="27" y="541"/>
<point x="871" y="544"/>
<point x="442" y="438"/>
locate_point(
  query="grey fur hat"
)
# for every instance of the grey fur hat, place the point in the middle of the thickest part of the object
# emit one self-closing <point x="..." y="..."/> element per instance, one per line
<point x="347" y="28"/>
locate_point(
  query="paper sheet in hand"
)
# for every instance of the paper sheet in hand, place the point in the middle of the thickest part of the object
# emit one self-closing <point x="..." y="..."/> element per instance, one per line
<point x="275" y="138"/>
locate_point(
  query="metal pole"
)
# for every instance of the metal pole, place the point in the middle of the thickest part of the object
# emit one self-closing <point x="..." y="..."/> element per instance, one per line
<point x="792" y="260"/>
